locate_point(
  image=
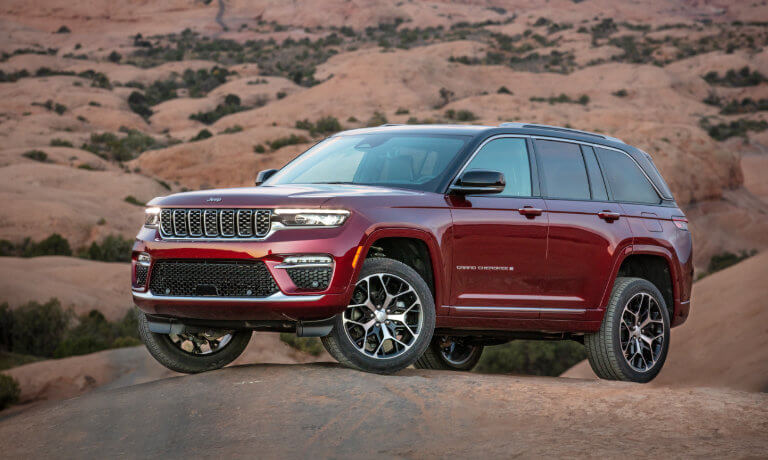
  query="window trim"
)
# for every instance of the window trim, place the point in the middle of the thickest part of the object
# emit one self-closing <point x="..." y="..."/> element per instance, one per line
<point x="532" y="167"/>
<point x="610" y="196"/>
<point x="533" y="157"/>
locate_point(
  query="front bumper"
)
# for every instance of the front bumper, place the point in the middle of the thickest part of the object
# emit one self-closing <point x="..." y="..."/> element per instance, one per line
<point x="289" y="303"/>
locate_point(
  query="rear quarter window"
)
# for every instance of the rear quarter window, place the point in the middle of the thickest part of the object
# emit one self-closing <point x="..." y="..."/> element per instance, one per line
<point x="625" y="179"/>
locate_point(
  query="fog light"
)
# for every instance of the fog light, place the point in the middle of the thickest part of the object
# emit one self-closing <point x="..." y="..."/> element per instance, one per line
<point x="308" y="259"/>
<point x="143" y="259"/>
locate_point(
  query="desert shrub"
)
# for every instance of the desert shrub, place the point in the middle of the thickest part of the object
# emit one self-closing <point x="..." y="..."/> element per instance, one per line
<point x="54" y="245"/>
<point x="736" y="78"/>
<point x="310" y="345"/>
<point x="114" y="56"/>
<point x="9" y="359"/>
<point x="288" y="140"/>
<point x="230" y="105"/>
<point x="9" y="391"/>
<point x="60" y="143"/>
<point x="324" y="125"/>
<point x="620" y="93"/>
<point x="138" y="104"/>
<point x="376" y="119"/>
<point x="36" y="155"/>
<point x="726" y="259"/>
<point x="460" y="115"/>
<point x="281" y="94"/>
<point x="604" y="28"/>
<point x="503" y="90"/>
<point x="446" y="95"/>
<point x="258" y="148"/>
<point x="740" y="127"/>
<point x="562" y="99"/>
<point x="63" y="30"/>
<point x="402" y="111"/>
<point x="111" y="147"/>
<point x="535" y="357"/>
<point x="38" y="328"/>
<point x="113" y="248"/>
<point x="746" y="105"/>
<point x="202" y="134"/>
<point x="94" y="333"/>
<point x="232" y="130"/>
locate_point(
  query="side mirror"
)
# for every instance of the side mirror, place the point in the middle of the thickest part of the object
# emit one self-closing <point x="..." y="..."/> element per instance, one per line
<point x="264" y="175"/>
<point x="479" y="182"/>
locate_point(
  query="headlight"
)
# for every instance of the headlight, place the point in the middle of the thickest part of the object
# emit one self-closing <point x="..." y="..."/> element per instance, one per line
<point x="311" y="217"/>
<point x="151" y="217"/>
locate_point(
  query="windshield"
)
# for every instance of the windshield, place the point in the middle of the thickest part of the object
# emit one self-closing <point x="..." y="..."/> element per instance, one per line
<point x="411" y="161"/>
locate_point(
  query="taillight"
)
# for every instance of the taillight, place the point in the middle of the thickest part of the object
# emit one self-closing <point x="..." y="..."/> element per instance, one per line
<point x="680" y="222"/>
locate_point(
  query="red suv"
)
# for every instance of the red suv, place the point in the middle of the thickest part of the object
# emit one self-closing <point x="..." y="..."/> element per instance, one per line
<point x="403" y="245"/>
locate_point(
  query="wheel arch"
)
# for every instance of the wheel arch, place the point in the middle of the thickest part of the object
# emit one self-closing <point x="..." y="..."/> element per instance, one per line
<point x="644" y="261"/>
<point x="391" y="238"/>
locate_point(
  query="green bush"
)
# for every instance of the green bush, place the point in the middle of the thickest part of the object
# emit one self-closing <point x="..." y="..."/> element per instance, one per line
<point x="620" y="93"/>
<point x="36" y="155"/>
<point x="38" y="328"/>
<point x="114" y="56"/>
<point x="534" y="357"/>
<point x="461" y="115"/>
<point x="111" y="147"/>
<point x="203" y="134"/>
<point x="727" y="259"/>
<point x="9" y="391"/>
<point x="113" y="248"/>
<point x="258" y="148"/>
<point x="288" y="140"/>
<point x="54" y="245"/>
<point x="230" y="105"/>
<point x="377" y="119"/>
<point x="134" y="201"/>
<point x="562" y="99"/>
<point x="310" y="345"/>
<point x="736" y="79"/>
<point x="94" y="333"/>
<point x="60" y="143"/>
<point x="740" y="127"/>
<point x="325" y="125"/>
<point x="503" y="90"/>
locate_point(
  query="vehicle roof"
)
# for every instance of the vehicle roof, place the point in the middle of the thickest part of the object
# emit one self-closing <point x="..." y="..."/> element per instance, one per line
<point x="530" y="129"/>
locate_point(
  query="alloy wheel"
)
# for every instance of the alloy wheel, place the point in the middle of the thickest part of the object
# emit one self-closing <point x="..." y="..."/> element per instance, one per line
<point x="455" y="350"/>
<point x="384" y="318"/>
<point x="642" y="332"/>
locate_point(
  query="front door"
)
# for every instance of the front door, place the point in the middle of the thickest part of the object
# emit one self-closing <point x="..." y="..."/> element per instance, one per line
<point x="500" y="240"/>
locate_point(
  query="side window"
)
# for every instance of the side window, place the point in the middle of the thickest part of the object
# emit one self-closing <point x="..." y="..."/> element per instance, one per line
<point x="626" y="180"/>
<point x="563" y="171"/>
<point x="508" y="156"/>
<point x="596" y="182"/>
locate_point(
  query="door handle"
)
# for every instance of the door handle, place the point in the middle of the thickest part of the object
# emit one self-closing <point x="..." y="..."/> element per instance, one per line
<point x="530" y="212"/>
<point x="608" y="216"/>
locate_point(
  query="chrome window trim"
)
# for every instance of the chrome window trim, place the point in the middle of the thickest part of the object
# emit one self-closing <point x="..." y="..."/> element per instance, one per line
<point x="479" y="147"/>
<point x="656" y="189"/>
<point x="276" y="297"/>
<point x="557" y="139"/>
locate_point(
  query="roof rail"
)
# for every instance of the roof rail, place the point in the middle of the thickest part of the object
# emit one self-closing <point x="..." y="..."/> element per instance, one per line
<point x="559" y="128"/>
<point x="390" y="124"/>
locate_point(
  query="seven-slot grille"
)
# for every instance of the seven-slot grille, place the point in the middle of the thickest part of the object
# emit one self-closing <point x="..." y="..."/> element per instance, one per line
<point x="222" y="278"/>
<point x="215" y="223"/>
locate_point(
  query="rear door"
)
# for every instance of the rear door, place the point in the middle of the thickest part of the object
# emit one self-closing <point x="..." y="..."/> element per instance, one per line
<point x="500" y="240"/>
<point x="585" y="228"/>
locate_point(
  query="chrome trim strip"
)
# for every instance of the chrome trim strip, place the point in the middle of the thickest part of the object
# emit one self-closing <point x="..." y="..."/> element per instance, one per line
<point x="276" y="297"/>
<point x="525" y="309"/>
<point x="318" y="265"/>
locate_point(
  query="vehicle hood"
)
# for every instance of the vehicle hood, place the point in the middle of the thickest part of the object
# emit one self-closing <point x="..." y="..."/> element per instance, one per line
<point x="313" y="196"/>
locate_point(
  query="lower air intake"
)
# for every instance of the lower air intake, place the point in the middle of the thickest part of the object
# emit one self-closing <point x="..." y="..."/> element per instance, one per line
<point x="202" y="278"/>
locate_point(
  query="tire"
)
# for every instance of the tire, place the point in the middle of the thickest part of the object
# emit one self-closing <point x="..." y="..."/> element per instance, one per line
<point x="441" y="354"/>
<point x="371" y="350"/>
<point x="643" y="359"/>
<point x="163" y="349"/>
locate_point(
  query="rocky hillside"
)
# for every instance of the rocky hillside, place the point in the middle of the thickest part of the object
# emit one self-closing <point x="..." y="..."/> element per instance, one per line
<point x="105" y="105"/>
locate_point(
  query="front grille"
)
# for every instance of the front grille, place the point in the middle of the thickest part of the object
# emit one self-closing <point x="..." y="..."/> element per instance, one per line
<point x="215" y="223"/>
<point x="222" y="278"/>
<point x="315" y="279"/>
<point x="141" y="275"/>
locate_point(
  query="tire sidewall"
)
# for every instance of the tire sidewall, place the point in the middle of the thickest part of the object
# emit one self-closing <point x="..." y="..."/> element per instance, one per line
<point x="633" y="288"/>
<point x="388" y="365"/>
<point x="467" y="365"/>
<point x="161" y="348"/>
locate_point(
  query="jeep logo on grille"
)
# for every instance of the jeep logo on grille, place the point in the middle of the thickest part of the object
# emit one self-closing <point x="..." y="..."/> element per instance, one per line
<point x="214" y="199"/>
